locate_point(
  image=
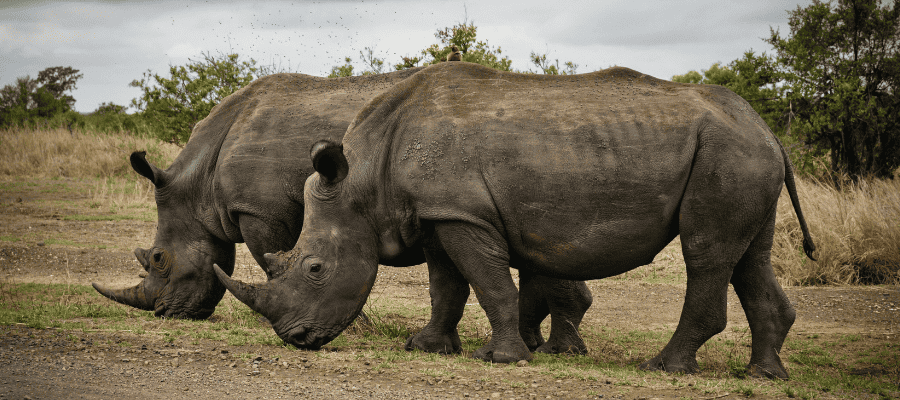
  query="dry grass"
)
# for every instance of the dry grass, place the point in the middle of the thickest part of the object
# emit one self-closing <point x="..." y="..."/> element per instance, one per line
<point x="58" y="153"/>
<point x="856" y="231"/>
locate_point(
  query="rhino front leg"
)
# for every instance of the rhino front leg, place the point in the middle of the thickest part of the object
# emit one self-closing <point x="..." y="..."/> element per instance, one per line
<point x="449" y="291"/>
<point x="483" y="260"/>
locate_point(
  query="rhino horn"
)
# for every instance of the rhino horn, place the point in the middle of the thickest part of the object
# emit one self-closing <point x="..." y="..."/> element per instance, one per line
<point x="133" y="296"/>
<point x="249" y="294"/>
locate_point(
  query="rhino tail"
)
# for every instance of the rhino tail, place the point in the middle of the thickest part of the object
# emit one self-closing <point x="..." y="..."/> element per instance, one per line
<point x="808" y="246"/>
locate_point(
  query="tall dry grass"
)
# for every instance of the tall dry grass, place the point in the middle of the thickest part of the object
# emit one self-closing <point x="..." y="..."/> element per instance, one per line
<point x="856" y="231"/>
<point x="102" y="157"/>
<point x="59" y="153"/>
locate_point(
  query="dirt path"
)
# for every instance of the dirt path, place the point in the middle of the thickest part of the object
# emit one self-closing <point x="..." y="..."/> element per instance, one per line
<point x="51" y="363"/>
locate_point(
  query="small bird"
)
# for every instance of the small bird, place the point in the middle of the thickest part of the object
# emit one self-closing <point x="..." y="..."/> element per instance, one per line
<point x="455" y="55"/>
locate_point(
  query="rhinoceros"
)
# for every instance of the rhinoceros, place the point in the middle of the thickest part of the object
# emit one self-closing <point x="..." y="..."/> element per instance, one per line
<point x="572" y="177"/>
<point x="238" y="179"/>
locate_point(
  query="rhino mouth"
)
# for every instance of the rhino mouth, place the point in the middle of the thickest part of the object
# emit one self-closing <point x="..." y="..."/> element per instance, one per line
<point x="303" y="338"/>
<point x="162" y="311"/>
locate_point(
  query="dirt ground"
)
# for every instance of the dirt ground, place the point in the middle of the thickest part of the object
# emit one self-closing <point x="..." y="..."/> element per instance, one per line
<point x="39" y="245"/>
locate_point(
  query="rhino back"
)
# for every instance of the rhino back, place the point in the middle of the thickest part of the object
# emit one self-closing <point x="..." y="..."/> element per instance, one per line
<point x="263" y="160"/>
<point x="578" y="168"/>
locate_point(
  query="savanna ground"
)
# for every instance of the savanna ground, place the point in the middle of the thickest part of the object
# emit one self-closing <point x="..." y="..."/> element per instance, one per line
<point x="64" y="225"/>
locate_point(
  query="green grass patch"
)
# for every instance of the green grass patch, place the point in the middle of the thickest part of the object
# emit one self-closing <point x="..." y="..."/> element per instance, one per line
<point x="9" y="239"/>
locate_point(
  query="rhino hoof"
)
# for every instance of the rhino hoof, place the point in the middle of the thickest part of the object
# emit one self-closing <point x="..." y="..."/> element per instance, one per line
<point x="773" y="373"/>
<point x="658" y="364"/>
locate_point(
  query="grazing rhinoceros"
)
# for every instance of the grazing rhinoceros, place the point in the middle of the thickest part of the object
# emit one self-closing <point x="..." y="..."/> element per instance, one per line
<point x="240" y="179"/>
<point x="573" y="177"/>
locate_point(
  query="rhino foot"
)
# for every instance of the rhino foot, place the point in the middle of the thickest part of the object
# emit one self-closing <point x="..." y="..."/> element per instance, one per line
<point x="686" y="364"/>
<point x="532" y="337"/>
<point x="505" y="353"/>
<point x="571" y="346"/>
<point x="768" y="371"/>
<point x="434" y="343"/>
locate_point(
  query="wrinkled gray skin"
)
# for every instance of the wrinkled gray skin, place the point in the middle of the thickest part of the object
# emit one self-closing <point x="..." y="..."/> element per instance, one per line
<point x="240" y="178"/>
<point x="573" y="177"/>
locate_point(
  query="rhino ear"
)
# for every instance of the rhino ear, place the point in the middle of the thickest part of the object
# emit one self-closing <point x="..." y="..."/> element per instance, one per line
<point x="142" y="166"/>
<point x="329" y="161"/>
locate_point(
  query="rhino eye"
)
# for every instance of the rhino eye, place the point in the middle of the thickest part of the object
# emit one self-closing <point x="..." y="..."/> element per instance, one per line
<point x="157" y="257"/>
<point x="315" y="268"/>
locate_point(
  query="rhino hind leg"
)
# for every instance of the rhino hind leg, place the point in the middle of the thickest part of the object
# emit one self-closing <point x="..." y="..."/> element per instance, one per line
<point x="565" y="301"/>
<point x="768" y="310"/>
<point x="449" y="291"/>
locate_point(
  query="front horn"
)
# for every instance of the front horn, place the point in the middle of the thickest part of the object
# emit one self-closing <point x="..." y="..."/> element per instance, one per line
<point x="133" y="296"/>
<point x="248" y="294"/>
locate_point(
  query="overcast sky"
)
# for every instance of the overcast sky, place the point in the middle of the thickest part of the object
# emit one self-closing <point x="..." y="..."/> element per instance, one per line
<point x="114" y="42"/>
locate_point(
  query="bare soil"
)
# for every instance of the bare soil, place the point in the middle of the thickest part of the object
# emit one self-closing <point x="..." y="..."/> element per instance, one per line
<point x="40" y="245"/>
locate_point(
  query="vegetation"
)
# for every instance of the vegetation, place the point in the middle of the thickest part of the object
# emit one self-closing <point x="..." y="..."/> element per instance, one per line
<point x="830" y="91"/>
<point x="174" y="105"/>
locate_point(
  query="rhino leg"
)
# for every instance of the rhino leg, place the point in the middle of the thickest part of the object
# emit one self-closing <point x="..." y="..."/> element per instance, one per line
<point x="483" y="259"/>
<point x="566" y="301"/>
<point x="768" y="310"/>
<point x="449" y="291"/>
<point x="726" y="207"/>
<point x="533" y="309"/>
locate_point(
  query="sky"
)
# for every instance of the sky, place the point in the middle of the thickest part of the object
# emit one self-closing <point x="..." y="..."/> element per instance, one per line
<point x="115" y="42"/>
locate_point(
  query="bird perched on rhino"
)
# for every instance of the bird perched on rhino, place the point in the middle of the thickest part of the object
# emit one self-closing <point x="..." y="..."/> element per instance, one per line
<point x="455" y="55"/>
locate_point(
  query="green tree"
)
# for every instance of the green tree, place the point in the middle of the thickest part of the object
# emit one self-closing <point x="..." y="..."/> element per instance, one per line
<point x="375" y="64"/>
<point x="58" y="80"/>
<point x="841" y="67"/>
<point x="342" y="70"/>
<point x="408" y="62"/>
<point x="109" y="108"/>
<point x="29" y="101"/>
<point x="464" y="36"/>
<point x="540" y="60"/>
<point x="177" y="103"/>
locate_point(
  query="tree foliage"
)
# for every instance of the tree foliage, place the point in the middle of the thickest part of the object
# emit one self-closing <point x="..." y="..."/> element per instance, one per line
<point x="841" y="68"/>
<point x="342" y="70"/>
<point x="28" y="101"/>
<point x="177" y="103"/>
<point x="540" y="60"/>
<point x="464" y="37"/>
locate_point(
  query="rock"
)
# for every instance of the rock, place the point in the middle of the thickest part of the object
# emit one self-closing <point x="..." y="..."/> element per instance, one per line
<point x="522" y="363"/>
<point x="40" y="243"/>
<point x="142" y="274"/>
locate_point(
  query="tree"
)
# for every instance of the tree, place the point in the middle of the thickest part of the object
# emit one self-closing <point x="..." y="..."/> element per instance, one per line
<point x="58" y="80"/>
<point x="375" y="64"/>
<point x="464" y="36"/>
<point x="29" y="100"/>
<point x="109" y="108"/>
<point x="841" y="67"/>
<point x="343" y="70"/>
<point x="175" y="104"/>
<point x="540" y="60"/>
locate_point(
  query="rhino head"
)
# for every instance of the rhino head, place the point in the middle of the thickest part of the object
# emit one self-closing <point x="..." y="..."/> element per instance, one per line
<point x="330" y="272"/>
<point x="180" y="281"/>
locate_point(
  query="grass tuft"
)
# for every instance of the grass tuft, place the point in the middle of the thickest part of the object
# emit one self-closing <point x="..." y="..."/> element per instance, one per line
<point x="856" y="231"/>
